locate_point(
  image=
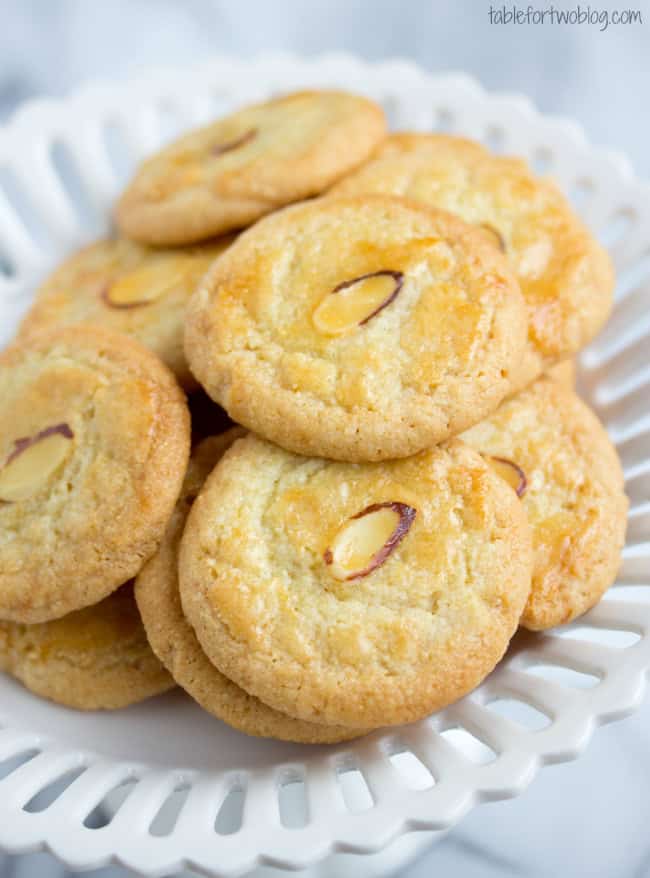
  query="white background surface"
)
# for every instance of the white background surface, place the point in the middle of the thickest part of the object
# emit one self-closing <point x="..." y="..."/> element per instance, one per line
<point x="589" y="818"/>
<point x="600" y="78"/>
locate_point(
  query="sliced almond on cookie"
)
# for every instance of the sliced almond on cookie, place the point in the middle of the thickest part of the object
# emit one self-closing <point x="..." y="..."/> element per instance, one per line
<point x="511" y="472"/>
<point x="367" y="539"/>
<point x="495" y="236"/>
<point x="354" y="302"/>
<point x="145" y="285"/>
<point x="33" y="461"/>
<point x="235" y="143"/>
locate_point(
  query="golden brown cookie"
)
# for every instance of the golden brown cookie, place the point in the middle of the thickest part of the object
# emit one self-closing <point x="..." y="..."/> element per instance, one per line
<point x="232" y="172"/>
<point x="357" y="328"/>
<point x="94" y="442"/>
<point x="174" y="641"/>
<point x="117" y="284"/>
<point x="355" y="594"/>
<point x="96" y="658"/>
<point x="553" y="450"/>
<point x="564" y="373"/>
<point x="565" y="276"/>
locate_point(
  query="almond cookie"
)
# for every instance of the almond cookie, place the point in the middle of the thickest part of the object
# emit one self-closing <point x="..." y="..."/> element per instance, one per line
<point x="355" y="594"/>
<point x="232" y="172"/>
<point x="564" y="373"/>
<point x="96" y="658"/>
<point x="120" y="285"/>
<point x="94" y="442"/>
<point x="358" y="328"/>
<point x="565" y="276"/>
<point x="556" y="455"/>
<point x="173" y="640"/>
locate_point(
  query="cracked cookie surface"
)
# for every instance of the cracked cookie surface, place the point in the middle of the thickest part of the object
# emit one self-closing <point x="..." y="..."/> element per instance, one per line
<point x="228" y="174"/>
<point x="573" y="496"/>
<point x="355" y="594"/>
<point x="357" y="329"/>
<point x="94" y="442"/>
<point x="565" y="275"/>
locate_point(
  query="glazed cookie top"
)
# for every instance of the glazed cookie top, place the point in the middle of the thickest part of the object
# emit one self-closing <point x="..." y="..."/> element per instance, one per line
<point x="565" y="276"/>
<point x="355" y="594"/>
<point x="553" y="450"/>
<point x="94" y="658"/>
<point x="174" y="641"/>
<point x="120" y="285"/>
<point x="94" y="442"/>
<point x="357" y="328"/>
<point x="232" y="172"/>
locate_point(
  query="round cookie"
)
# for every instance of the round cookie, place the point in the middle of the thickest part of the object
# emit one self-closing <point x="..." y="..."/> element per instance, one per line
<point x="94" y="442"/>
<point x="355" y="594"/>
<point x="232" y="172"/>
<point x="564" y="373"/>
<point x="358" y="328"/>
<point x="120" y="285"/>
<point x="554" y="451"/>
<point x="565" y="276"/>
<point x="96" y="658"/>
<point x="173" y="640"/>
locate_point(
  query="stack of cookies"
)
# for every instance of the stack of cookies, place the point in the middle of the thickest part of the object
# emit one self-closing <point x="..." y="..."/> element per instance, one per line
<point x="407" y="475"/>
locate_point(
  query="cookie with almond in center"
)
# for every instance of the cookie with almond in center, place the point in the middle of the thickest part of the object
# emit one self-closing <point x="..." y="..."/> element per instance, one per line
<point x="355" y="594"/>
<point x="94" y="442"/>
<point x="230" y="173"/>
<point x="123" y="286"/>
<point x="357" y="329"/>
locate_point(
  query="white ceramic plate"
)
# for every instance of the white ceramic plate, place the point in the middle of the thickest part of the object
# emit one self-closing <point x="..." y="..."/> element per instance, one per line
<point x="166" y="786"/>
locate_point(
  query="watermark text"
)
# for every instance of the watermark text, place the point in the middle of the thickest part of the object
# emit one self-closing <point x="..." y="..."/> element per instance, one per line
<point x="591" y="15"/>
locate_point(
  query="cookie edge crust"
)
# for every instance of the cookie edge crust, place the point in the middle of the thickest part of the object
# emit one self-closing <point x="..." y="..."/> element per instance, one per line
<point x="115" y="680"/>
<point x="107" y="688"/>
